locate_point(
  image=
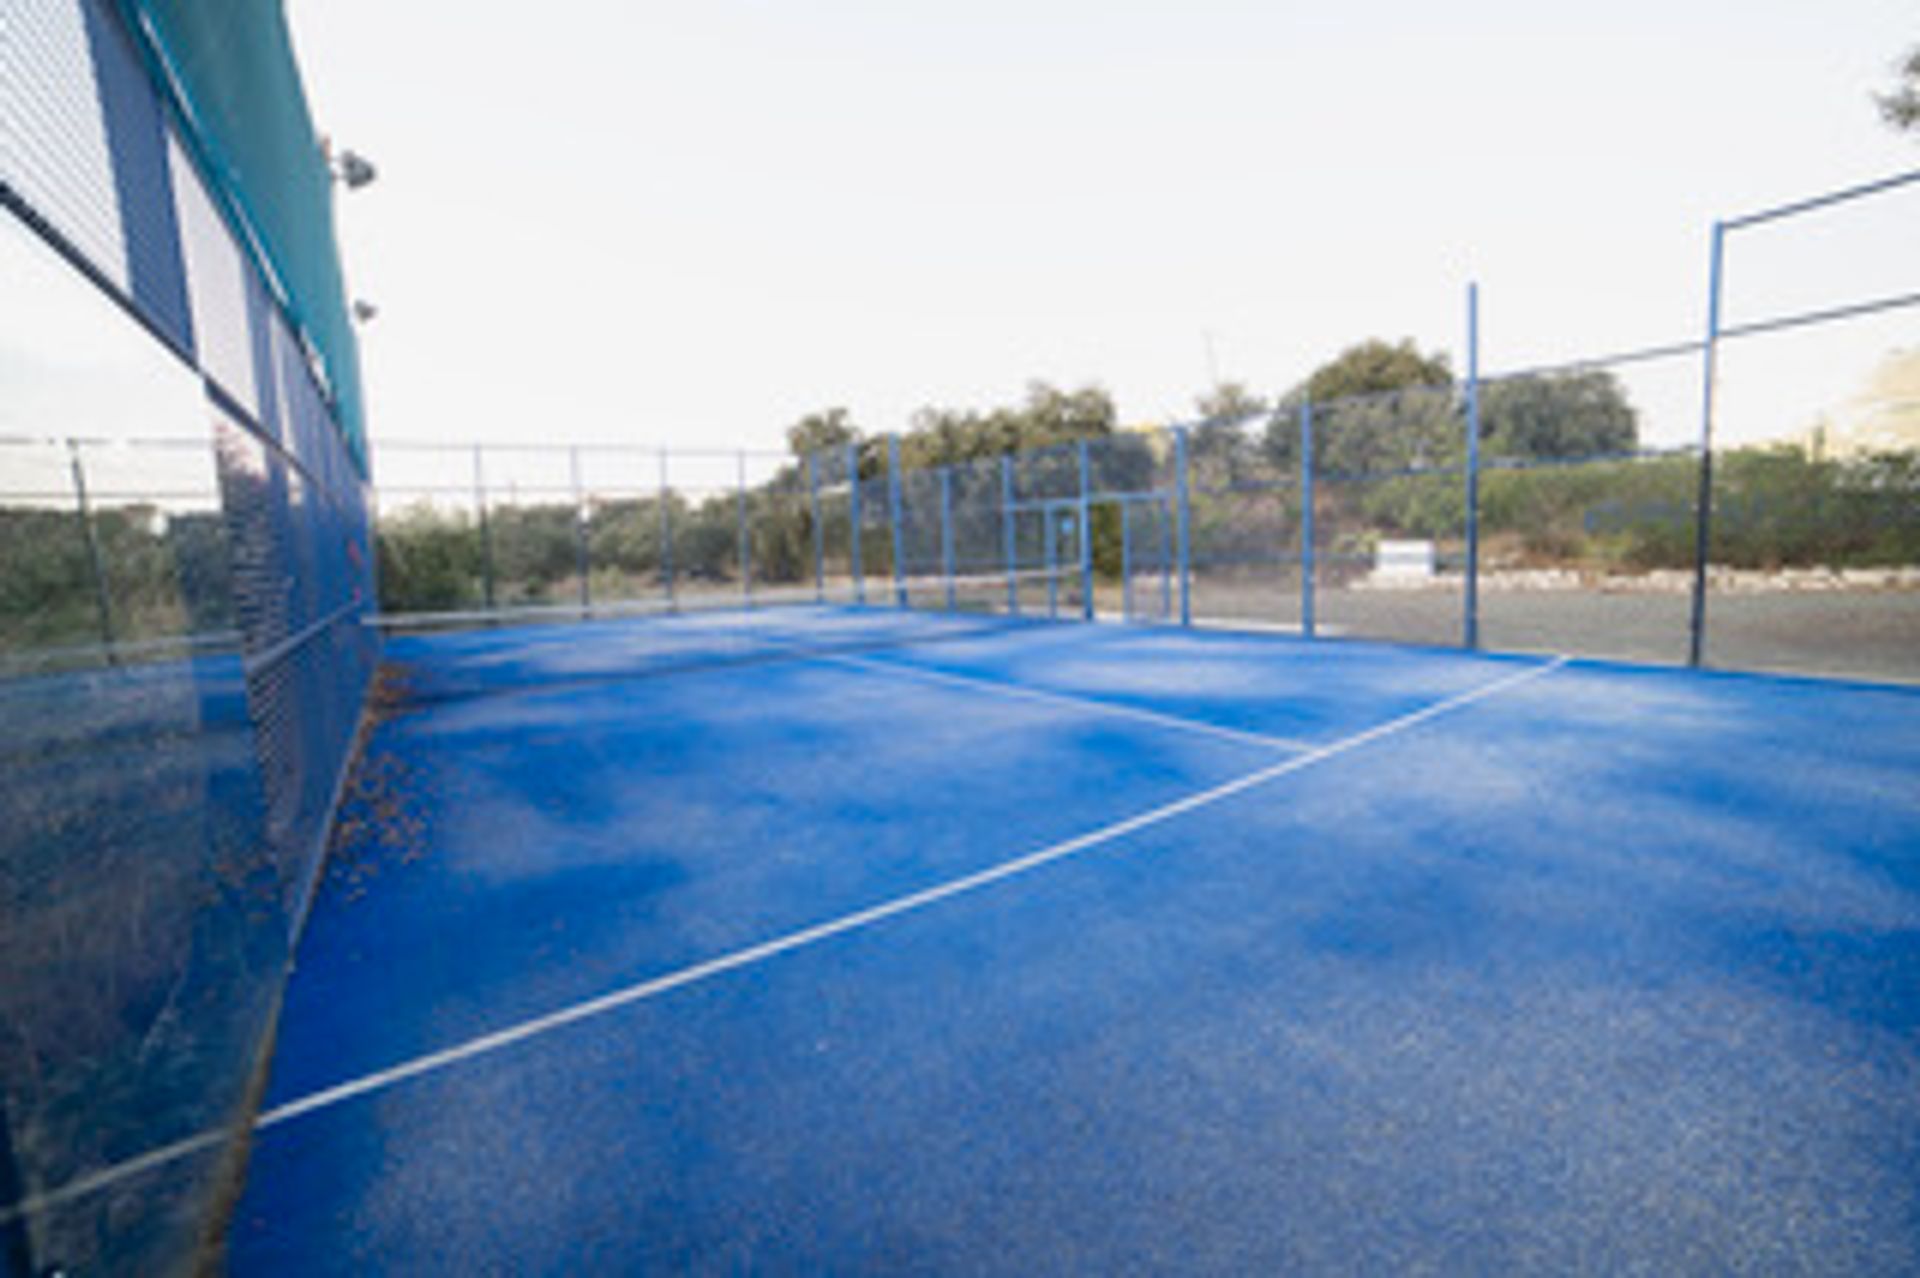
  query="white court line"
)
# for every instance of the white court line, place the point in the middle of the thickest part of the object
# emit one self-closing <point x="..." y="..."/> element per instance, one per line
<point x="1024" y="693"/>
<point x="486" y="1044"/>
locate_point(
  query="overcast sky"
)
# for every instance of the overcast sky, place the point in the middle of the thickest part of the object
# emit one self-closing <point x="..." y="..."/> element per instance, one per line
<point x="692" y="223"/>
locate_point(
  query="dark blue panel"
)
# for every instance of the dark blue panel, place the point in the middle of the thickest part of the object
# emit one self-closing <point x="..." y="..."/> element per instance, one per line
<point x="143" y="180"/>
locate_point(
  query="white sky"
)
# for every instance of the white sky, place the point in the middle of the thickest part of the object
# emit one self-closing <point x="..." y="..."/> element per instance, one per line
<point x="692" y="223"/>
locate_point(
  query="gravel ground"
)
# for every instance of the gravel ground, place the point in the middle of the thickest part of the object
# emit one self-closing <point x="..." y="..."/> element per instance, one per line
<point x="1860" y="633"/>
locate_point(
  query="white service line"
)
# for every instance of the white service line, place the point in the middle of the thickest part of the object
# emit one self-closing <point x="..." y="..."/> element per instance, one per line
<point x="1023" y="693"/>
<point x="641" y="991"/>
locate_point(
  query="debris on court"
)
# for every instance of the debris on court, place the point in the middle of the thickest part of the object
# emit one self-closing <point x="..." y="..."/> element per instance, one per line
<point x="380" y="826"/>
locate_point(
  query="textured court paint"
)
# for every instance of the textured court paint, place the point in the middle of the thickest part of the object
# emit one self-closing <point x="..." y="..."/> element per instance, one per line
<point x="1001" y="688"/>
<point x="599" y="835"/>
<point x="1616" y="972"/>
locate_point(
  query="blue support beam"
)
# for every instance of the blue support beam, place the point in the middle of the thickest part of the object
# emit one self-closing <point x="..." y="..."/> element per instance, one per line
<point x="1009" y="542"/>
<point x="1470" y="635"/>
<point x="1052" y="561"/>
<point x="853" y="524"/>
<point x="1086" y="540"/>
<point x="1703" y="502"/>
<point x="1306" y="518"/>
<point x="946" y="530"/>
<point x="819" y="530"/>
<point x="893" y="510"/>
<point x="1164" y="518"/>
<point x="1183" y="524"/>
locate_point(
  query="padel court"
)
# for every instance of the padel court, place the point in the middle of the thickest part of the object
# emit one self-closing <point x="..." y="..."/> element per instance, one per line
<point x="819" y="939"/>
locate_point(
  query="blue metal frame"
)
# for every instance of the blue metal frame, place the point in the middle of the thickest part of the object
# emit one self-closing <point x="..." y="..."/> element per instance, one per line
<point x="819" y="530"/>
<point x="1839" y="196"/>
<point x="946" y="530"/>
<point x="1307" y="556"/>
<point x="1166" y="557"/>
<point x="1010" y="542"/>
<point x="1703" y="501"/>
<point x="1471" y="624"/>
<point x="1086" y="541"/>
<point x="853" y="524"/>
<point x="1183" y="524"/>
<point x="1052" y="562"/>
<point x="893" y="512"/>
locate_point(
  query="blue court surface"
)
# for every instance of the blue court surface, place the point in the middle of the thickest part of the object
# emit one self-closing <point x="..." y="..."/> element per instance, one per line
<point x="828" y="940"/>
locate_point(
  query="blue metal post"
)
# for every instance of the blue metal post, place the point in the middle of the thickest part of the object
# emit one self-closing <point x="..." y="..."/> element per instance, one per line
<point x="1183" y="524"/>
<point x="666" y="531"/>
<point x="740" y="511"/>
<point x="1703" y="503"/>
<point x="946" y="530"/>
<point x="1126" y="561"/>
<point x="819" y="530"/>
<point x="853" y="524"/>
<point x="1164" y="518"/>
<point x="894" y="507"/>
<point x="1306" y="517"/>
<point x="1053" y="562"/>
<point x="1086" y="541"/>
<point x="1471" y="636"/>
<point x="1008" y="542"/>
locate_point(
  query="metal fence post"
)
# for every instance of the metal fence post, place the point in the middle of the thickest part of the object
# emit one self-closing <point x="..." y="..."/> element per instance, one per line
<point x="1703" y="503"/>
<point x="893" y="510"/>
<point x="819" y="530"/>
<point x="582" y="553"/>
<point x="1009" y="543"/>
<point x="853" y="524"/>
<point x="102" y="597"/>
<point x="946" y="530"/>
<point x="486" y="530"/>
<point x="1183" y="524"/>
<point x="740" y="515"/>
<point x="1126" y="562"/>
<point x="1306" y="517"/>
<point x="1086" y="540"/>
<point x="666" y="531"/>
<point x="1052" y="561"/>
<point x="1163" y="518"/>
<point x="1471" y="633"/>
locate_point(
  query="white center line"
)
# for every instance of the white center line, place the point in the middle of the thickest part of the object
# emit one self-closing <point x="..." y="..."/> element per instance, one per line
<point x="641" y="991"/>
<point x="1115" y="709"/>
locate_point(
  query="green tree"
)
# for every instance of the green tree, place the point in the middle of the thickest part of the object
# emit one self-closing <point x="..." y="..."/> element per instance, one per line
<point x="1047" y="416"/>
<point x="1229" y="402"/>
<point x="817" y="432"/>
<point x="1377" y="406"/>
<point x="1223" y="448"/>
<point x="1373" y="367"/>
<point x="1901" y="107"/>
<point x="1558" y="415"/>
